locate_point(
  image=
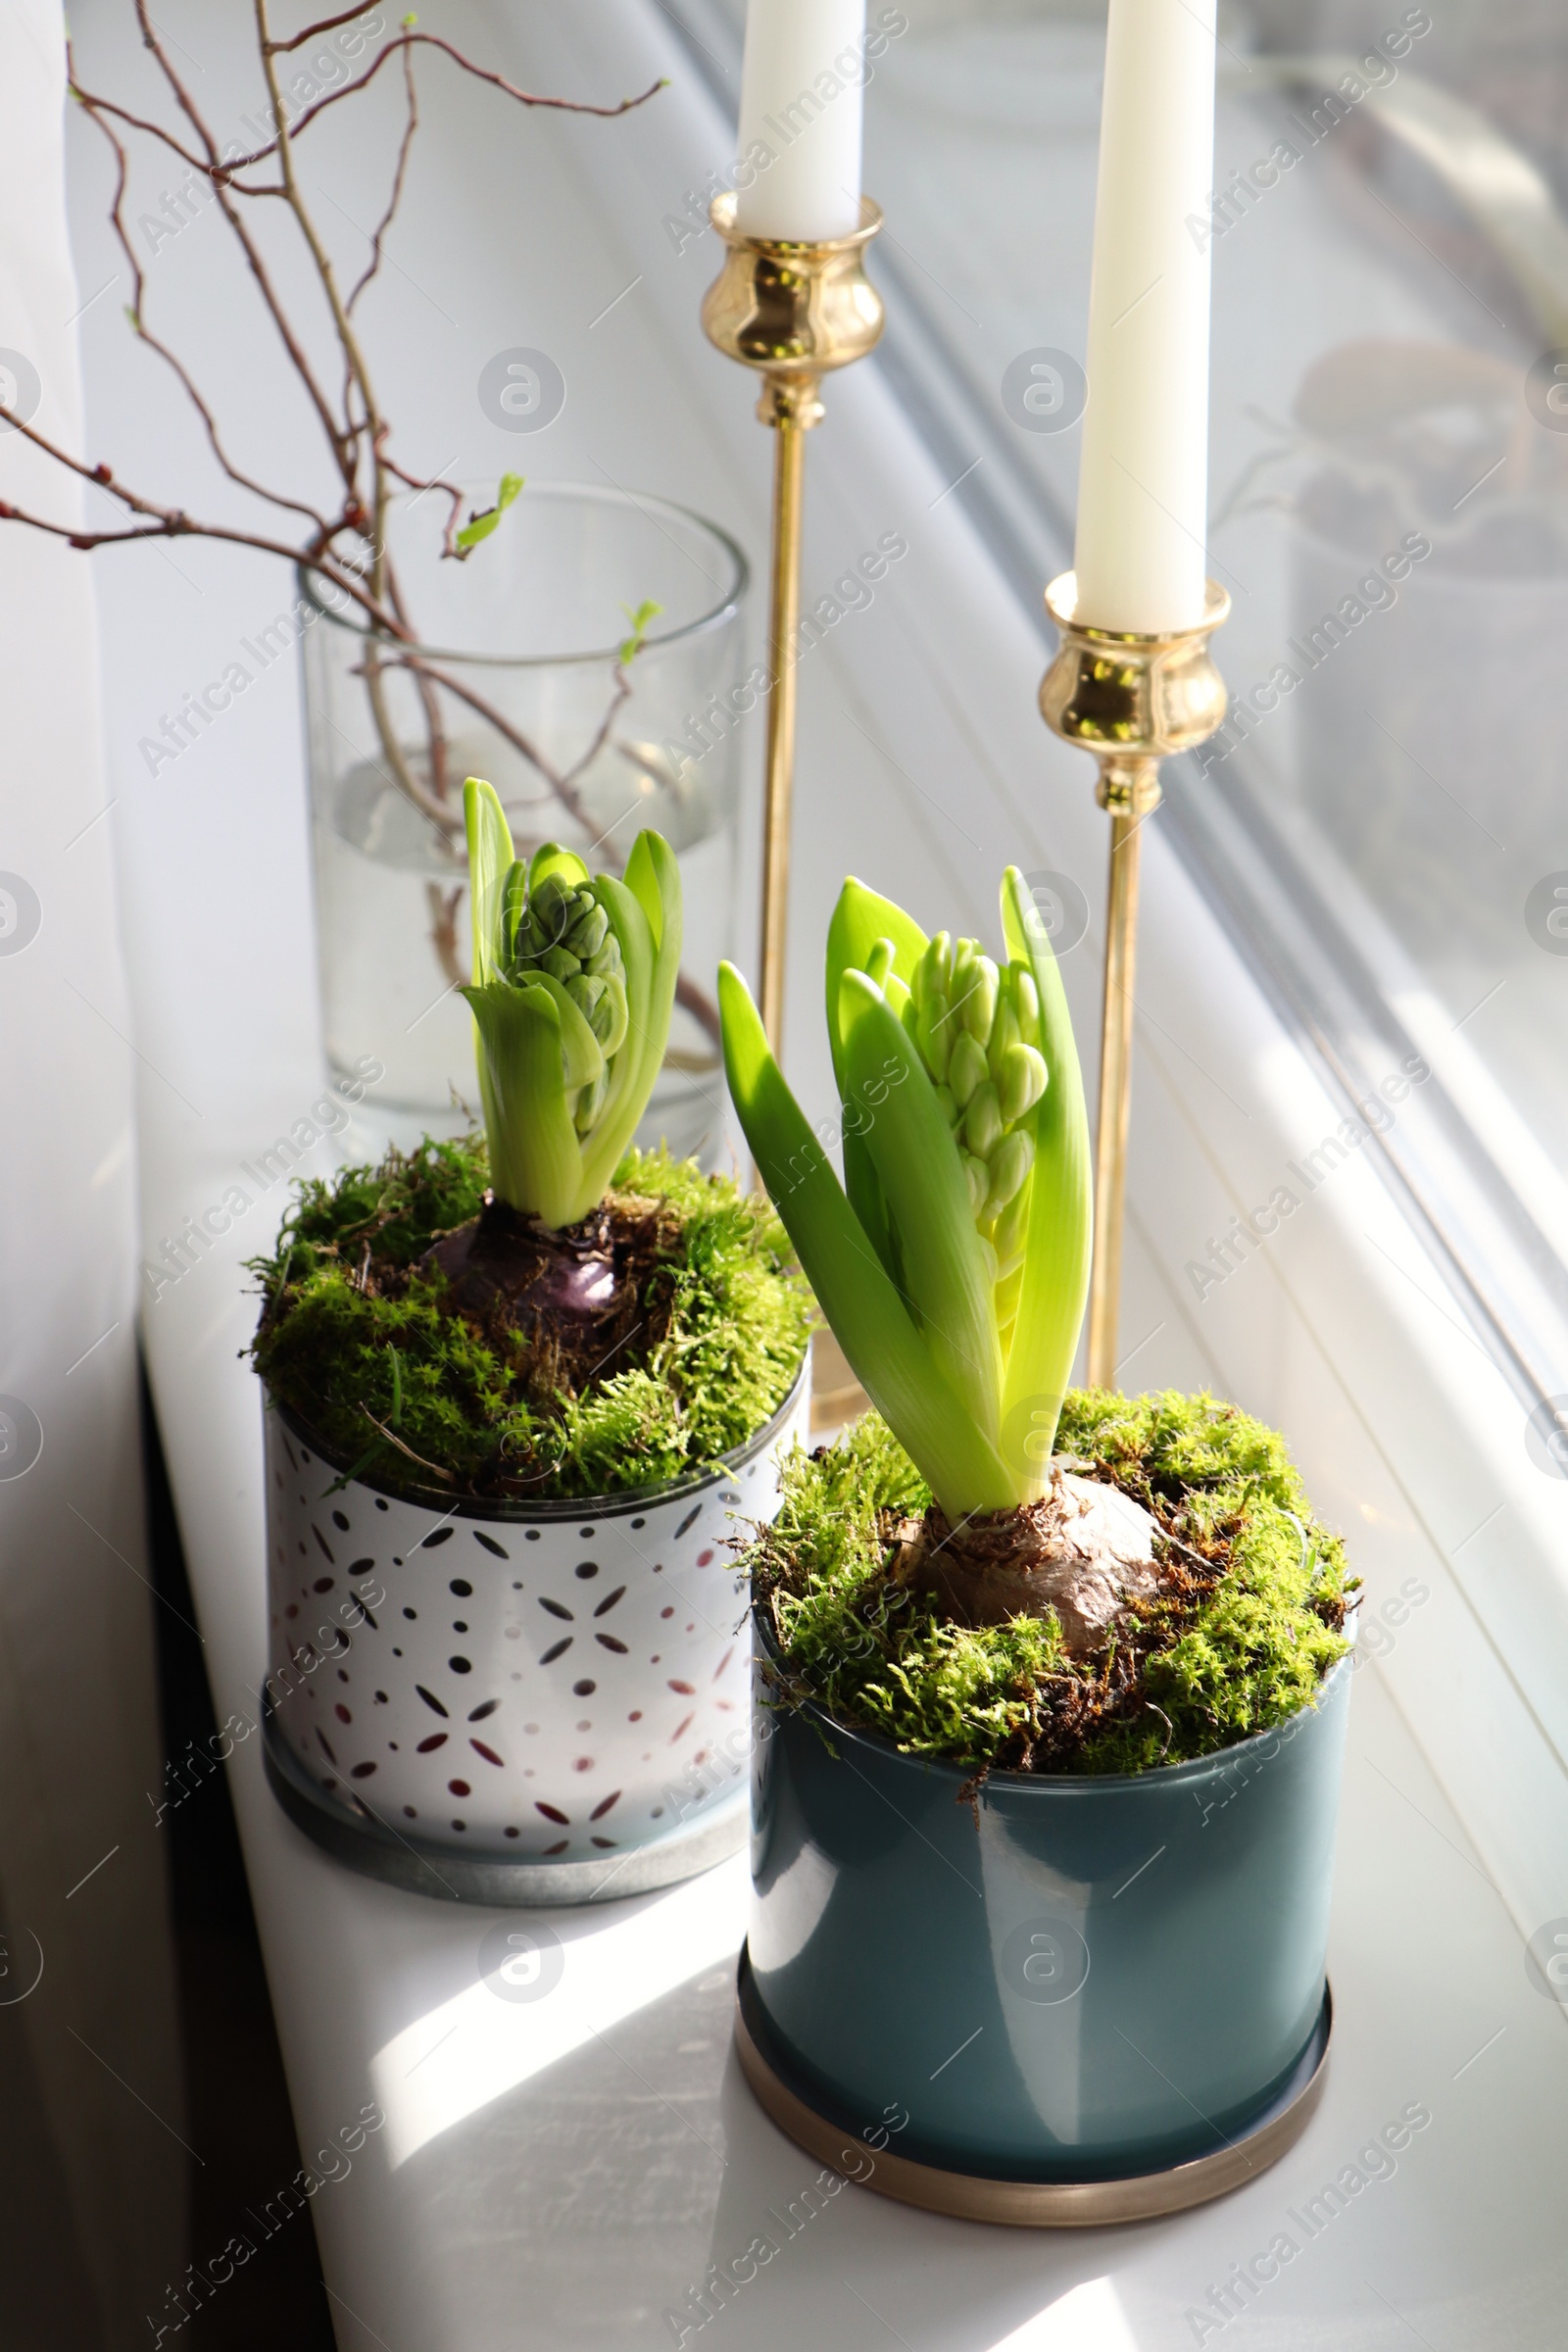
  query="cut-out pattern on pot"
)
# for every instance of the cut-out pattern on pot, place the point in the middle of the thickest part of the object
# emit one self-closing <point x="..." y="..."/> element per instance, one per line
<point x="552" y="1682"/>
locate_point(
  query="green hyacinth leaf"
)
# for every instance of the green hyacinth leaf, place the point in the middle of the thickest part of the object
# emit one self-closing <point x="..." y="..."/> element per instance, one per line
<point x="535" y="1159"/>
<point x="887" y="1353"/>
<point x="947" y="1268"/>
<point x="1059" y="1239"/>
<point x="645" y="921"/>
<point x="550" y="859"/>
<point x="513" y="902"/>
<point x="618" y="1014"/>
<point x="490" y="860"/>
<point x="582" y="1055"/>
<point x="861" y="920"/>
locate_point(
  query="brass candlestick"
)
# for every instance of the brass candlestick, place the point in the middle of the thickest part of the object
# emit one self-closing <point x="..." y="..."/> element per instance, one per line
<point x="793" y="311"/>
<point x="1132" y="701"/>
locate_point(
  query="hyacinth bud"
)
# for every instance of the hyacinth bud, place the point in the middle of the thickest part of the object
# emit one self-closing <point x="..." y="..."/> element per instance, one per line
<point x="964" y="952"/>
<point x="982" y="1121"/>
<point x="1010" y="1164"/>
<point x="551" y="911"/>
<point x="586" y="994"/>
<point x="879" y="963"/>
<point x="562" y="930"/>
<point x="590" y="931"/>
<point x="976" y="1002"/>
<point x="565" y="1072"/>
<point x="590" y="1102"/>
<point x="1011" y="1231"/>
<point x="977" y="1028"/>
<point x="934" y="1033"/>
<point x="933" y="974"/>
<point x="967" y="1069"/>
<point x="1003" y="1033"/>
<point x="1021" y="1080"/>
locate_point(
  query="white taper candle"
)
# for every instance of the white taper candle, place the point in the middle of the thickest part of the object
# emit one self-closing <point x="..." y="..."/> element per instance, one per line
<point x="1143" y="483"/>
<point x="802" y="103"/>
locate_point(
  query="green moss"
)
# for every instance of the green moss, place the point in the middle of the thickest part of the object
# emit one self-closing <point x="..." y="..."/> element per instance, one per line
<point x="398" y="1207"/>
<point x="1251" y="1624"/>
<point x="733" y="1321"/>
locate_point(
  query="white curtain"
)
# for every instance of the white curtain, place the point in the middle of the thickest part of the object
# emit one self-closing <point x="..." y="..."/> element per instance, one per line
<point x="92" y="2170"/>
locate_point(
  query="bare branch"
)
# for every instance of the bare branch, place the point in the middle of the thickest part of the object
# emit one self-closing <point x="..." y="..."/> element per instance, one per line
<point x="447" y="821"/>
<point x="154" y="131"/>
<point x="392" y="202"/>
<point x="431" y="41"/>
<point x="437" y="737"/>
<point x="314" y="31"/>
<point x="172" y="523"/>
<point x="449" y="490"/>
<point x="170" y="358"/>
<point x="359" y="375"/>
<point x="364" y="574"/>
<point x="442" y="907"/>
<point x="218" y="171"/>
<point x="222" y="168"/>
<point x="620" y="689"/>
<point x="564" y="791"/>
<point x="176" y="525"/>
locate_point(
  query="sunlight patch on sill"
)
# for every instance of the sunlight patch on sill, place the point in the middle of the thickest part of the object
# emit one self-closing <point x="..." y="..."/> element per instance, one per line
<point x="471" y="2049"/>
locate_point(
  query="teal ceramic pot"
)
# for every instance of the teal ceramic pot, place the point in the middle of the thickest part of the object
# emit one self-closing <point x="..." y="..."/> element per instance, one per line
<point x="1058" y="1979"/>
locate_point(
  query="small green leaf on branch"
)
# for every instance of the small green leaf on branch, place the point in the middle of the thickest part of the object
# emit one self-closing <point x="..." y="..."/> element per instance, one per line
<point x="481" y="524"/>
<point x="632" y="645"/>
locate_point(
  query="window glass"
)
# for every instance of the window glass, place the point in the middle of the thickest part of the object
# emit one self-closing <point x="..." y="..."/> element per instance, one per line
<point x="1385" y="815"/>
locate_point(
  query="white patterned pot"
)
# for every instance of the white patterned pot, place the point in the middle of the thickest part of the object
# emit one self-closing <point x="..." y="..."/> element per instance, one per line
<point x="525" y="1702"/>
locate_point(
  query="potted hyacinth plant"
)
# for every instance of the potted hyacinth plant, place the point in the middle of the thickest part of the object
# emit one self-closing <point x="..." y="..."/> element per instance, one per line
<point x="517" y="1383"/>
<point x="1043" y="1819"/>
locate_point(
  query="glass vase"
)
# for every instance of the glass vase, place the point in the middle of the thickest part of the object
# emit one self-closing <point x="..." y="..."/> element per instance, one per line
<point x="513" y="672"/>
